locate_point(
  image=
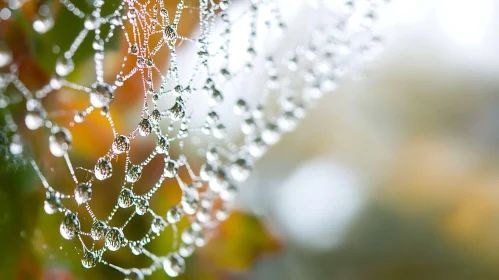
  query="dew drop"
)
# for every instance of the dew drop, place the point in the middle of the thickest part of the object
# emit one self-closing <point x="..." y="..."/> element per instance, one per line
<point x="134" y="173"/>
<point x="177" y="112"/>
<point x="158" y="224"/>
<point x="190" y="201"/>
<point x="121" y="144"/>
<point x="70" y="226"/>
<point x="59" y="141"/>
<point x="135" y="248"/>
<point x="174" y="265"/>
<point x="125" y="199"/>
<point x="186" y="250"/>
<point x="52" y="203"/>
<point x="5" y="55"/>
<point x="101" y="95"/>
<point x="134" y="274"/>
<point x="171" y="168"/>
<point x="98" y="230"/>
<point x="173" y="215"/>
<point x="64" y="66"/>
<point x="169" y="33"/>
<point x="83" y="193"/>
<point x="92" y="22"/>
<point x="145" y="127"/>
<point x="103" y="169"/>
<point x="162" y="145"/>
<point x="141" y="206"/>
<point x="89" y="259"/>
<point x="114" y="239"/>
<point x="271" y="133"/>
<point x="42" y="24"/>
<point x="240" y="169"/>
<point x="35" y="119"/>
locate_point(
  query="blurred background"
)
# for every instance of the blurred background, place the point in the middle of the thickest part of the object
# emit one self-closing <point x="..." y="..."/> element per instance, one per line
<point x="392" y="176"/>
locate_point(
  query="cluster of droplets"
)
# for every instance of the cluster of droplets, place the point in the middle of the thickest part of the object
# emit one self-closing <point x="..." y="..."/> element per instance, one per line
<point x="320" y="60"/>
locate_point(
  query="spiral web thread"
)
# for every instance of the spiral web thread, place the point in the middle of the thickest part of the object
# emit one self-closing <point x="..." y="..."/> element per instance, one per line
<point x="319" y="60"/>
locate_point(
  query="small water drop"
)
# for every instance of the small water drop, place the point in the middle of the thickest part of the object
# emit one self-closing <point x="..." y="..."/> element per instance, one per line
<point x="83" y="193"/>
<point x="134" y="173"/>
<point x="98" y="230"/>
<point x="101" y="95"/>
<point x="158" y="224"/>
<point x="43" y="23"/>
<point x="121" y="144"/>
<point x="240" y="169"/>
<point x="89" y="259"/>
<point x="103" y="169"/>
<point x="92" y="21"/>
<point x="134" y="274"/>
<point x="173" y="215"/>
<point x="171" y="168"/>
<point x="136" y="248"/>
<point x="177" y="112"/>
<point x="70" y="226"/>
<point x="145" y="127"/>
<point x="190" y="201"/>
<point x="52" y="203"/>
<point x="5" y="55"/>
<point x="59" y="141"/>
<point x="64" y="66"/>
<point x="125" y="199"/>
<point x="162" y="145"/>
<point x="174" y="265"/>
<point x="141" y="205"/>
<point x="35" y="119"/>
<point x="114" y="239"/>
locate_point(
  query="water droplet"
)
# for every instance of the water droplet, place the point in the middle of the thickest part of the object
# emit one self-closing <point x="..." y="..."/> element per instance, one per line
<point x="240" y="169"/>
<point x="133" y="174"/>
<point x="136" y="248"/>
<point x="5" y="55"/>
<point x="101" y="95"/>
<point x="216" y="98"/>
<point x="271" y="134"/>
<point x="219" y="131"/>
<point x="173" y="215"/>
<point x="125" y="199"/>
<point x="229" y="193"/>
<point x="207" y="172"/>
<point x="98" y="230"/>
<point x="15" y="147"/>
<point x="134" y="274"/>
<point x="189" y="235"/>
<point x="212" y="117"/>
<point x="190" y="201"/>
<point x="141" y="205"/>
<point x="121" y="144"/>
<point x="114" y="239"/>
<point x="186" y="250"/>
<point x="89" y="259"/>
<point x="162" y="145"/>
<point x="92" y="21"/>
<point x="158" y="224"/>
<point x="213" y="155"/>
<point x="174" y="265"/>
<point x="177" y="112"/>
<point x="169" y="33"/>
<point x="241" y="107"/>
<point x="171" y="168"/>
<point x="248" y="126"/>
<point x="145" y="127"/>
<point x="103" y="169"/>
<point x="79" y="117"/>
<point x="224" y="4"/>
<point x="52" y="203"/>
<point x="70" y="226"/>
<point x="219" y="181"/>
<point x="64" y="66"/>
<point x="257" y="147"/>
<point x="287" y="122"/>
<point x="59" y="141"/>
<point x="222" y="214"/>
<point x="83" y="193"/>
<point x="42" y="24"/>
<point x="35" y="119"/>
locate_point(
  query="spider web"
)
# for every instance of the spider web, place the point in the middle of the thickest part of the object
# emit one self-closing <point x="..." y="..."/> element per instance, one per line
<point x="186" y="96"/>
